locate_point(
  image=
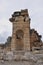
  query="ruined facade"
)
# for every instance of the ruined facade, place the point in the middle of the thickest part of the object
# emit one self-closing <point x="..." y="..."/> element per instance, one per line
<point x="35" y="39"/>
<point x="21" y="30"/>
<point x="23" y="37"/>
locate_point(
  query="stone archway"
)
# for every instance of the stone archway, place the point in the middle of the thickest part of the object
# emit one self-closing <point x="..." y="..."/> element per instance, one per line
<point x="19" y="40"/>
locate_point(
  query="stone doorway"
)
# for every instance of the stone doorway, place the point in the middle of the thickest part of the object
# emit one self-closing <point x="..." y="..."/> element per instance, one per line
<point x="19" y="40"/>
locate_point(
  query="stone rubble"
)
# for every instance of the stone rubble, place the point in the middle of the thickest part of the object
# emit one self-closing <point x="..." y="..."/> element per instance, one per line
<point x="29" y="57"/>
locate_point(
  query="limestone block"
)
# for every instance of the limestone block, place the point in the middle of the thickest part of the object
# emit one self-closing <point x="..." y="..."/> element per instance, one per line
<point x="30" y="56"/>
<point x="17" y="57"/>
<point x="8" y="56"/>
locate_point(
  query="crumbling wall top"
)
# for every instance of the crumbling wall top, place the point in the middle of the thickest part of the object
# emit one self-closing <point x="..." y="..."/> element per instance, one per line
<point x="19" y="13"/>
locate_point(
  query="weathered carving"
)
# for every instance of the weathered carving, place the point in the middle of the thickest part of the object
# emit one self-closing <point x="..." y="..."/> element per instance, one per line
<point x="19" y="34"/>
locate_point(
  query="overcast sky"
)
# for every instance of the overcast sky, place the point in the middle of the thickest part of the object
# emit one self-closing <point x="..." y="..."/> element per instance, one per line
<point x="7" y="7"/>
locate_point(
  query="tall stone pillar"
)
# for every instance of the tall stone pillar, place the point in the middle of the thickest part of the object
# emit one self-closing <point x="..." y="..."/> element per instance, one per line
<point x="20" y="31"/>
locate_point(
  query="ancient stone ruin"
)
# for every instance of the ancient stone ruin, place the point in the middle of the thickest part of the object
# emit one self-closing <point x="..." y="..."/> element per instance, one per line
<point x="23" y="41"/>
<point x="23" y="37"/>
